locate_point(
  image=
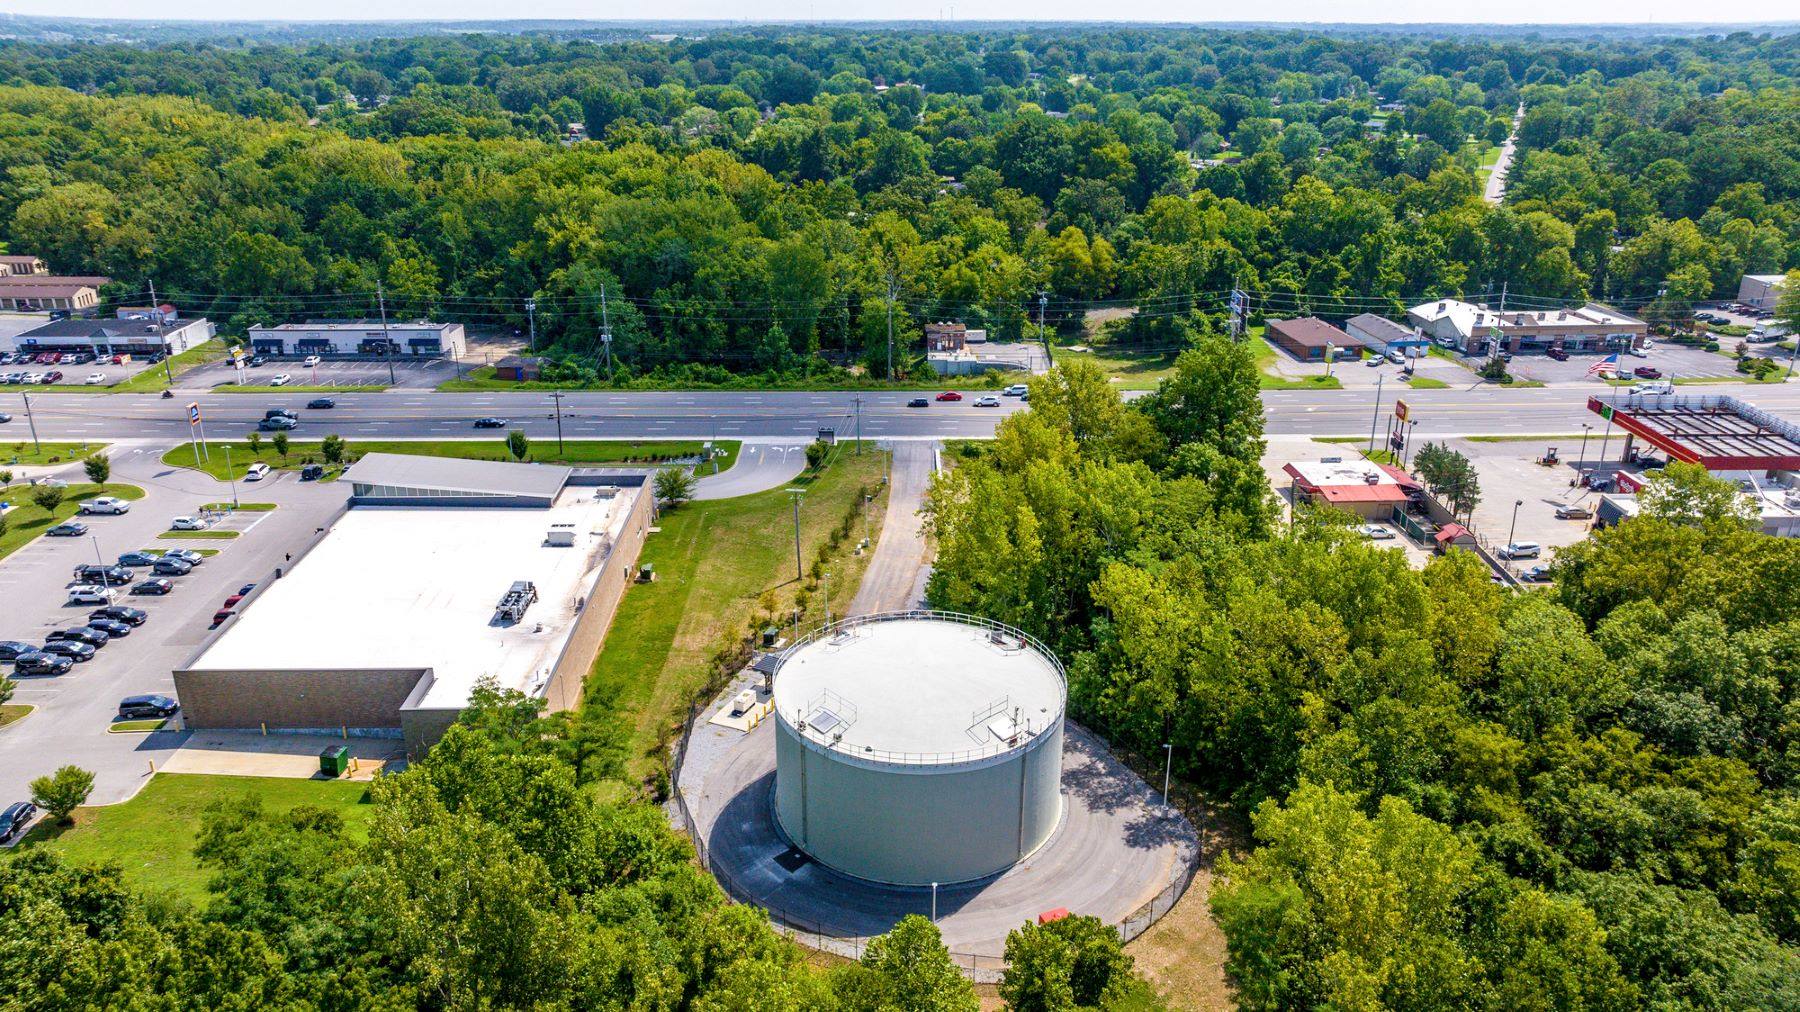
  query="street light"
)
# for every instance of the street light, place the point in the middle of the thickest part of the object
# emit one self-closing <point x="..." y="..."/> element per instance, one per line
<point x="796" y="493"/>
<point x="1514" y="529"/>
<point x="934" y="902"/>
<point x="229" y="479"/>
<point x="1168" y="764"/>
<point x="1586" y="429"/>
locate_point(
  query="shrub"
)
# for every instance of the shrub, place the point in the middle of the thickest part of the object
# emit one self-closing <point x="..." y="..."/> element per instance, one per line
<point x="62" y="792"/>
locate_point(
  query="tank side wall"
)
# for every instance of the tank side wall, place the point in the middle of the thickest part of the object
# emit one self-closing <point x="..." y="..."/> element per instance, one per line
<point x="789" y="785"/>
<point x="1043" y="789"/>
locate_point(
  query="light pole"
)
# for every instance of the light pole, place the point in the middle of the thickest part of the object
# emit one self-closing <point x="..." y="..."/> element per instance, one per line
<point x="229" y="478"/>
<point x="556" y="397"/>
<point x="934" y="902"/>
<point x="796" y="493"/>
<point x="1377" y="416"/>
<point x="1581" y="463"/>
<point x="97" y="556"/>
<point x="1168" y="764"/>
<point x="1514" y="529"/>
<point x="36" y="446"/>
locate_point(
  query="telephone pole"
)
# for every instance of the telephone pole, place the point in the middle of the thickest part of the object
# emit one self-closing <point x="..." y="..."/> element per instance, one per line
<point x="605" y="331"/>
<point x="796" y="493"/>
<point x="893" y="293"/>
<point x="556" y="397"/>
<point x="36" y="446"/>
<point x="387" y="342"/>
<point x="531" y="322"/>
<point x="858" y="402"/>
<point x="1044" y="300"/>
<point x="168" y="372"/>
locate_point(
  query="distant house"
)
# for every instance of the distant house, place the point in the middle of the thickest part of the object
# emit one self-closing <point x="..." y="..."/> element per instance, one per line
<point x="20" y="266"/>
<point x="519" y="368"/>
<point x="1761" y="291"/>
<point x="1307" y="338"/>
<point x="1383" y="335"/>
<point x="946" y="337"/>
<point x="37" y="292"/>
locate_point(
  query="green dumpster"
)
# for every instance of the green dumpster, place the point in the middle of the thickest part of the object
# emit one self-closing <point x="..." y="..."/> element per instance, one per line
<point x="334" y="762"/>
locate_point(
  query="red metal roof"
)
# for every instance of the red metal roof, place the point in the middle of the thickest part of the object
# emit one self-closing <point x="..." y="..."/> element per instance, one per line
<point x="1719" y="433"/>
<point x="1361" y="493"/>
<point x="1450" y="532"/>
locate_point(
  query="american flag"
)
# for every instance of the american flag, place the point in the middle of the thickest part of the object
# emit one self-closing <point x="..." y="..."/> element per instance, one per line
<point x="1607" y="366"/>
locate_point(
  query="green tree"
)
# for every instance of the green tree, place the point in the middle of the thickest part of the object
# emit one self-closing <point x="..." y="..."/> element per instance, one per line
<point x="817" y="453"/>
<point x="47" y="497"/>
<point x="254" y="441"/>
<point x="332" y="449"/>
<point x="674" y="485"/>
<point x="1688" y="494"/>
<point x="98" y="468"/>
<point x="62" y="792"/>
<point x="1075" y="962"/>
<point x="280" y="441"/>
<point x="1212" y="397"/>
<point x="518" y="444"/>
<point x="912" y="970"/>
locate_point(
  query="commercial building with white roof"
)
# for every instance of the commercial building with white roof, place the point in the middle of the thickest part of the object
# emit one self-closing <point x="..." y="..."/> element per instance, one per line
<point x="391" y="618"/>
<point x="1472" y="329"/>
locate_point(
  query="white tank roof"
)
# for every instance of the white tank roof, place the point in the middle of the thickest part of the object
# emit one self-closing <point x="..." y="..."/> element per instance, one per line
<point x="920" y="688"/>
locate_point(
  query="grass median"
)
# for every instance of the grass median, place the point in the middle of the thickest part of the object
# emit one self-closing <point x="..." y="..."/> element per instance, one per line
<point x="724" y="567"/>
<point x="198" y="535"/>
<point x="26" y="521"/>
<point x="574" y="451"/>
<point x="25" y="453"/>
<point x="152" y="836"/>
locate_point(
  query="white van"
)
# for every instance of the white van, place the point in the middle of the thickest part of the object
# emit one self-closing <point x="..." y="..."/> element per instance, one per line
<point x="256" y="471"/>
<point x="1652" y="388"/>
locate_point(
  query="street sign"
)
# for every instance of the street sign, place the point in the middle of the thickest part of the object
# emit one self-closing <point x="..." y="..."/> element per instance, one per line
<point x="1400" y="410"/>
<point x="194" y="413"/>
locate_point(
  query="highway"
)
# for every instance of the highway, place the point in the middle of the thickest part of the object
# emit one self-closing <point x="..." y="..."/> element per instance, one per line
<point x="413" y="414"/>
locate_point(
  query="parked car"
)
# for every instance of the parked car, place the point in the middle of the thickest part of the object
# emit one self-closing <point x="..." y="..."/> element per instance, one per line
<point x="171" y="567"/>
<point x="1535" y="574"/>
<point x="321" y="403"/>
<point x="95" y="379"/>
<point x="89" y="593"/>
<point x="279" y="423"/>
<point x="67" y="529"/>
<point x="187" y="555"/>
<point x="310" y="361"/>
<point x="113" y="628"/>
<point x="38" y="662"/>
<point x="120" y="613"/>
<point x="189" y="523"/>
<point x="280" y="379"/>
<point x="113" y="576"/>
<point x="137" y="559"/>
<point x="1574" y="512"/>
<point x="17" y="816"/>
<point x="1647" y="372"/>
<point x="918" y="402"/>
<point x="221" y="615"/>
<point x="157" y="587"/>
<point x="255" y="361"/>
<point x="53" y="376"/>
<point x="72" y="649"/>
<point x="312" y="472"/>
<point x="245" y="590"/>
<point x="1375" y="532"/>
<point x="104" y="504"/>
<point x="949" y="395"/>
<point x="1521" y="550"/>
<point x="1016" y="390"/>
<point x="1558" y="354"/>
<point x="988" y="401"/>
<point x="1652" y="388"/>
<point x="79" y="634"/>
<point x="138" y="707"/>
<point x="256" y="472"/>
<point x="11" y="649"/>
<point x="490" y="423"/>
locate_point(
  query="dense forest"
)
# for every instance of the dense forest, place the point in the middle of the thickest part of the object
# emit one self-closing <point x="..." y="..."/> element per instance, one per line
<point x="1586" y="797"/>
<point x="774" y="200"/>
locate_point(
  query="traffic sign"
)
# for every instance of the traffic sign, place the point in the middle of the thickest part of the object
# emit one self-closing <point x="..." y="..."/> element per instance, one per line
<point x="194" y="413"/>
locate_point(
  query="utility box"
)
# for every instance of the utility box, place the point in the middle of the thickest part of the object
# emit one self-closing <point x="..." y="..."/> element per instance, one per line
<point x="646" y="572"/>
<point x="828" y="436"/>
<point x="770" y="636"/>
<point x="334" y="762"/>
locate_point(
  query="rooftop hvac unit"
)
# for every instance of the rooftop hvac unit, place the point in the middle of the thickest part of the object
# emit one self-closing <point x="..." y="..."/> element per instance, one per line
<point x="513" y="603"/>
<point x="560" y="535"/>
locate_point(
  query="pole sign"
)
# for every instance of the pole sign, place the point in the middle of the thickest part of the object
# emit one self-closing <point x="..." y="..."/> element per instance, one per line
<point x="1401" y="411"/>
<point x="194" y="413"/>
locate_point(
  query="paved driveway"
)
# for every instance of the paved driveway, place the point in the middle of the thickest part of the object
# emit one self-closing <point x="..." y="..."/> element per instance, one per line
<point x="74" y="710"/>
<point x="406" y="373"/>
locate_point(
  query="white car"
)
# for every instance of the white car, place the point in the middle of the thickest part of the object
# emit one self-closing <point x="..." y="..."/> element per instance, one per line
<point x="33" y="377"/>
<point x="1521" y="550"/>
<point x="1375" y="532"/>
<point x="280" y="379"/>
<point x="310" y="361"/>
<point x="104" y="504"/>
<point x="256" y="472"/>
<point x="1016" y="390"/>
<point x="90" y="594"/>
<point x="188" y="524"/>
<point x="94" y="379"/>
<point x="989" y="401"/>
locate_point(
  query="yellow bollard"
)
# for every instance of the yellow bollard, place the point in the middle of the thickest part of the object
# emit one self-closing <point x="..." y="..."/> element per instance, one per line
<point x="344" y="731"/>
<point x="265" y="727"/>
<point x="152" y="763"/>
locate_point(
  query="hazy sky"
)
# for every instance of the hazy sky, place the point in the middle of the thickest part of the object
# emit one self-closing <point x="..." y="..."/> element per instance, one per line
<point x="1512" y="12"/>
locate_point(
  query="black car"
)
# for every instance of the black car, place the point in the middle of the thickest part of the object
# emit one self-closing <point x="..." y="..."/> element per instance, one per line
<point x="490" y="423"/>
<point x="311" y="472"/>
<point x="11" y="649"/>
<point x="158" y="586"/>
<point x="111" y="576"/>
<point x="112" y="627"/>
<point x="71" y="649"/>
<point x="79" y="634"/>
<point x="68" y="529"/>
<point x="288" y="413"/>
<point x="147" y="706"/>
<point x="171" y="567"/>
<point x="120" y="613"/>
<point x="918" y="402"/>
<point x="321" y="403"/>
<point x="137" y="559"/>
<point x="40" y="663"/>
<point x="17" y="816"/>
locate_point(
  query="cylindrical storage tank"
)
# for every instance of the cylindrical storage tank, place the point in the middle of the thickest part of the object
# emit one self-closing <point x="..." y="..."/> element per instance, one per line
<point x="918" y="747"/>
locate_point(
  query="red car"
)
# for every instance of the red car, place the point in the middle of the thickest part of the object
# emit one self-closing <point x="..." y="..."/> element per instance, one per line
<point x="949" y="395"/>
<point x="1645" y="372"/>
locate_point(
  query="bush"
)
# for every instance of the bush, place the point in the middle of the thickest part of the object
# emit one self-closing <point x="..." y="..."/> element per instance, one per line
<point x="47" y="497"/>
<point x="98" y="469"/>
<point x="674" y="486"/>
<point x="817" y="452"/>
<point x="62" y="792"/>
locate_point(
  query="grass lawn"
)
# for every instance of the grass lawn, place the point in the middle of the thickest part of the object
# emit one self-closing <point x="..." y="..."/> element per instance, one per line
<point x="152" y="836"/>
<point x="136" y="726"/>
<point x="481" y="379"/>
<point x="1265" y="354"/>
<point x="575" y="451"/>
<point x="24" y="453"/>
<point x="157" y="376"/>
<point x="1427" y="383"/>
<point x="164" y="551"/>
<point x="198" y="535"/>
<point x="1131" y="370"/>
<point x="300" y="388"/>
<point x="1520" y="439"/>
<point x="720" y="565"/>
<point x="13" y="712"/>
<point x="25" y="520"/>
<point x="243" y="507"/>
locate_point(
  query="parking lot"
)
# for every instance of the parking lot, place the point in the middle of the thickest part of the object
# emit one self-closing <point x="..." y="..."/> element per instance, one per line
<point x="73" y="374"/>
<point x="406" y="373"/>
<point x="74" y="710"/>
<point x="1672" y="360"/>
